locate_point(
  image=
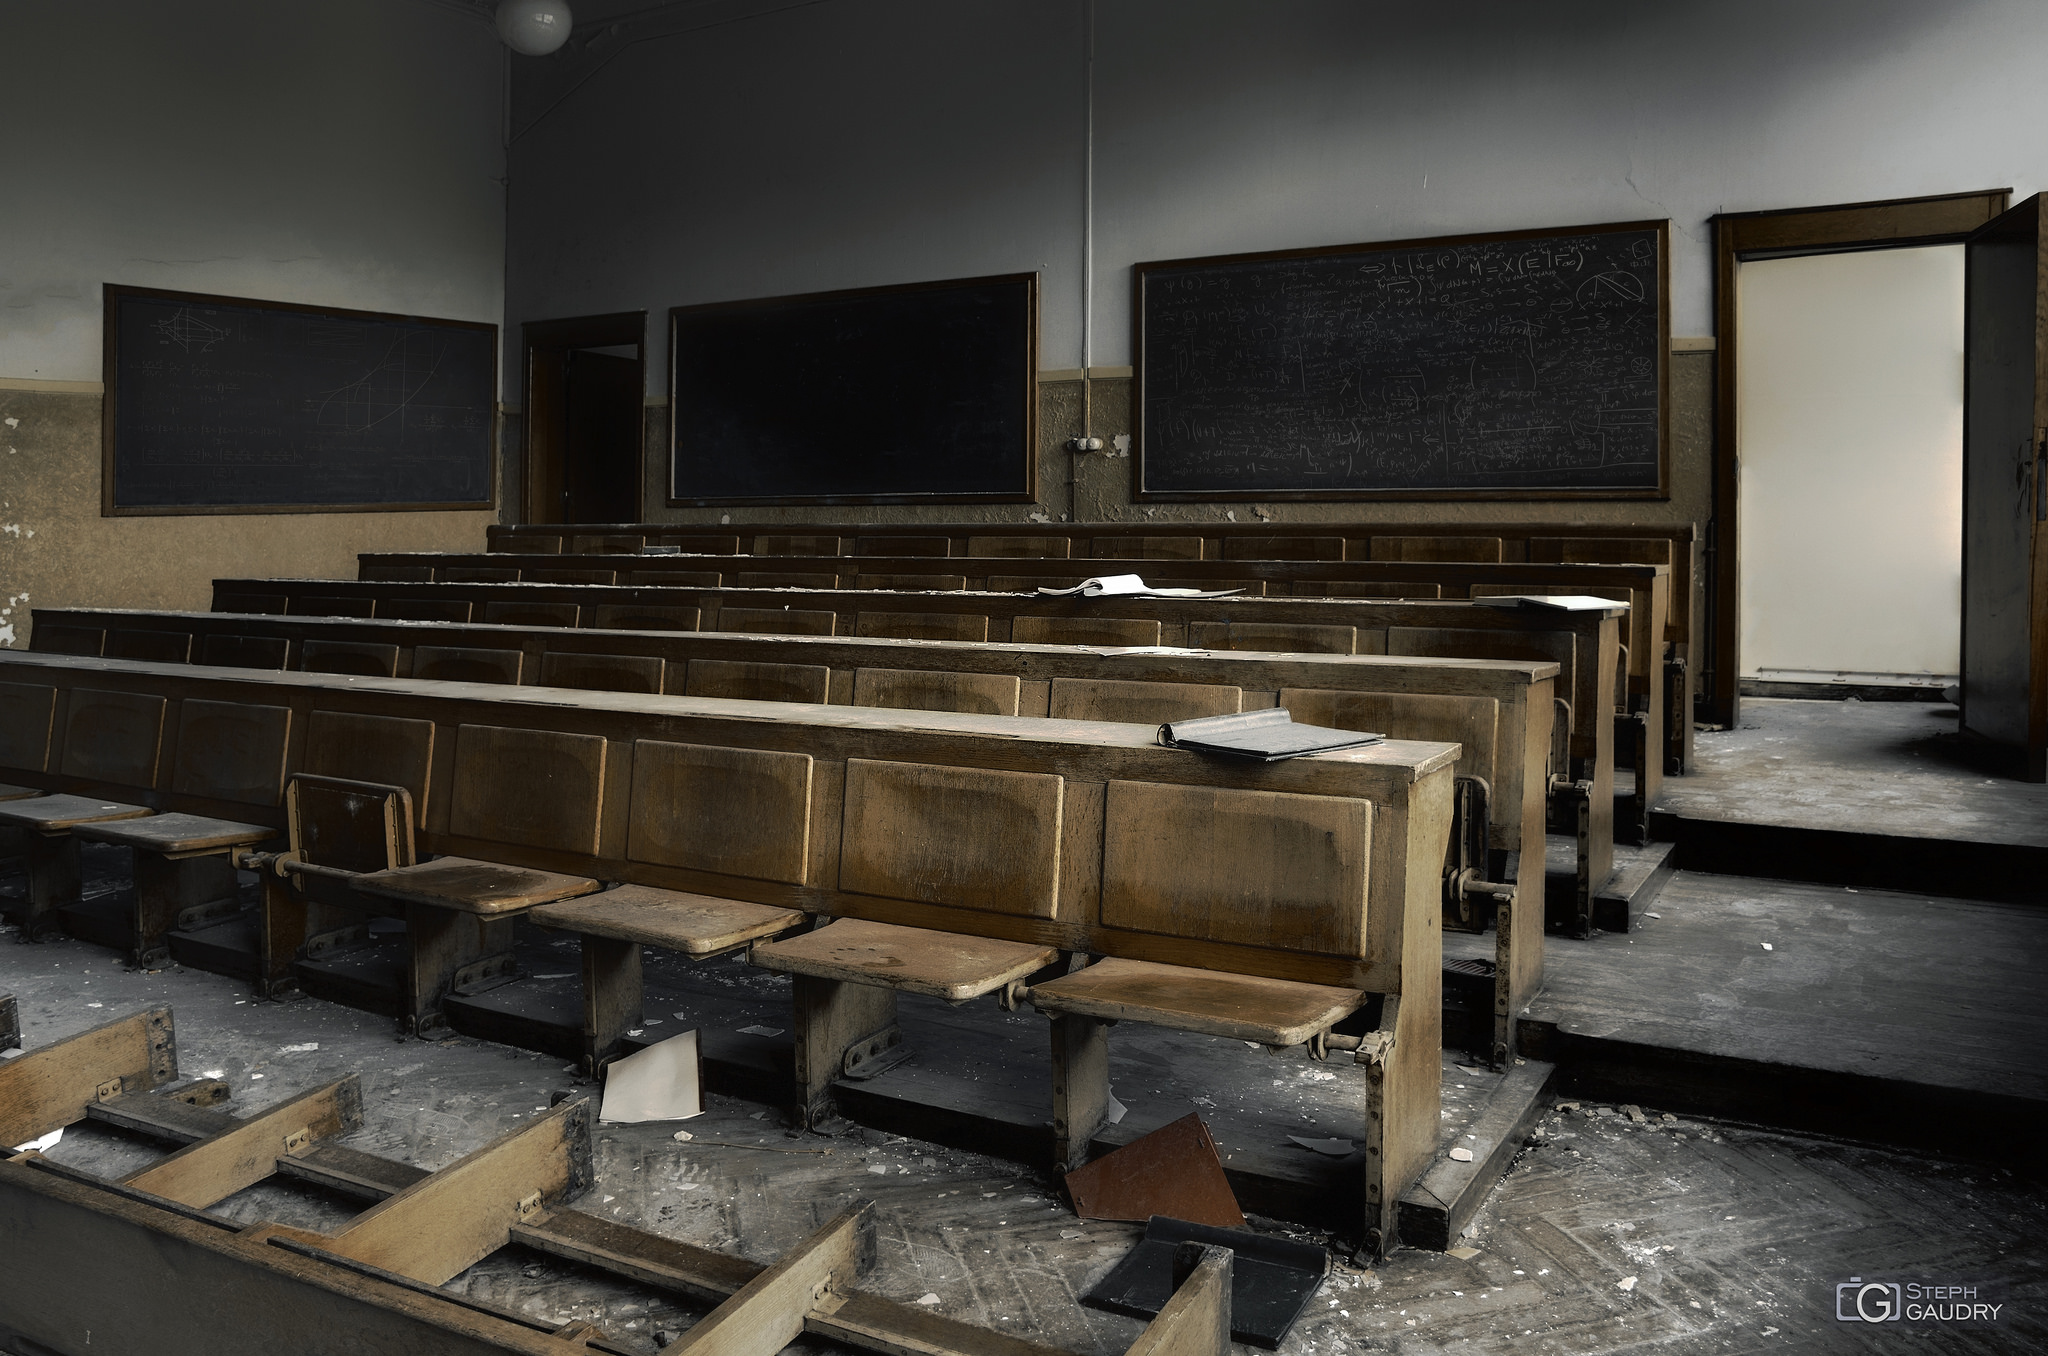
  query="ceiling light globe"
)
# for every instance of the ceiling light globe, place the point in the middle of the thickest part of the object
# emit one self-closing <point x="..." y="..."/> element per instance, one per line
<point x="534" y="27"/>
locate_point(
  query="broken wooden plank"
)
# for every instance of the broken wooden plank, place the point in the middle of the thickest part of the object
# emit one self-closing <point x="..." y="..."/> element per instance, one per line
<point x="215" y="1168"/>
<point x="447" y="1222"/>
<point x="50" y="1088"/>
<point x="1196" y="1321"/>
<point x="768" y="1313"/>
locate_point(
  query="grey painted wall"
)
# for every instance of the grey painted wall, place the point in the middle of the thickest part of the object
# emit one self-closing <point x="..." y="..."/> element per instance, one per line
<point x="339" y="154"/>
<point x="847" y="144"/>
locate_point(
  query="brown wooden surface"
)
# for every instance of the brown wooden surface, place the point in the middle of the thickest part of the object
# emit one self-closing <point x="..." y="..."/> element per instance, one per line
<point x="944" y="965"/>
<point x="673" y="919"/>
<point x="959" y="780"/>
<point x="444" y="1224"/>
<point x="738" y="812"/>
<point x="1260" y="867"/>
<point x="52" y="814"/>
<point x="215" y="1168"/>
<point x="1108" y="622"/>
<point x="473" y="887"/>
<point x="1182" y="541"/>
<point x="1306" y="578"/>
<point x="769" y="1311"/>
<point x="1055" y="680"/>
<point x="1196" y="1321"/>
<point x="175" y="833"/>
<point x="985" y="838"/>
<point x="1240" y="1007"/>
<point x="51" y="1086"/>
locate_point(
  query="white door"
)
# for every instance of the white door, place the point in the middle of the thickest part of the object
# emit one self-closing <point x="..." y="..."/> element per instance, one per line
<point x="1849" y="439"/>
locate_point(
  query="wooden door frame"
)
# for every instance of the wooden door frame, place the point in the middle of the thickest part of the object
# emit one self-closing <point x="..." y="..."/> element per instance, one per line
<point x="543" y="363"/>
<point x="1896" y="223"/>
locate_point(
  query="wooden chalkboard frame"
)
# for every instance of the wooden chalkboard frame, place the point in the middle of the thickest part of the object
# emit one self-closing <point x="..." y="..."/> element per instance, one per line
<point x="1139" y="272"/>
<point x="1025" y="491"/>
<point x="114" y="293"/>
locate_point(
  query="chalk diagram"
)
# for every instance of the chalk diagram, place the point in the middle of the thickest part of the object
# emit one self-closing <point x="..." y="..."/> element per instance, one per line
<point x="389" y="390"/>
<point x="189" y="332"/>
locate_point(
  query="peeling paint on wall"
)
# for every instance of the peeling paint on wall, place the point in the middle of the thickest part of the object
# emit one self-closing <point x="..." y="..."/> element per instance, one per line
<point x="7" y="637"/>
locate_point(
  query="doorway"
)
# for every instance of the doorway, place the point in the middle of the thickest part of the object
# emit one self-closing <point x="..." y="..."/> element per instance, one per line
<point x="1740" y="240"/>
<point x="1850" y="421"/>
<point x="585" y="403"/>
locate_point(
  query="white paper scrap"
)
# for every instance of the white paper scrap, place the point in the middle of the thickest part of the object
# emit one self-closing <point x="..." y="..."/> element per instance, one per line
<point x="664" y="1082"/>
<point x="43" y="1145"/>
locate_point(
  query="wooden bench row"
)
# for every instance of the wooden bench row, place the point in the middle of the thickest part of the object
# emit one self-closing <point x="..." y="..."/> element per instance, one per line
<point x="1633" y="543"/>
<point x="1655" y="694"/>
<point x="1077" y="866"/>
<point x="1586" y="645"/>
<point x="1500" y="712"/>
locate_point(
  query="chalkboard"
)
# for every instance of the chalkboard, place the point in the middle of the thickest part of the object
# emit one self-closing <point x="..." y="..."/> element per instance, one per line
<point x="920" y="393"/>
<point x="230" y="405"/>
<point x="1524" y="364"/>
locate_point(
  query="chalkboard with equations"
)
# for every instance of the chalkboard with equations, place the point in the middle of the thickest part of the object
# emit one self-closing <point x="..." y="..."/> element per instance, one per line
<point x="920" y="393"/>
<point x="1526" y="364"/>
<point x="233" y="405"/>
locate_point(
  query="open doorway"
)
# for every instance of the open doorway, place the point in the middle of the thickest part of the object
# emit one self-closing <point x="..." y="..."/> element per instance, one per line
<point x="1804" y="508"/>
<point x="1850" y="420"/>
<point x="585" y="397"/>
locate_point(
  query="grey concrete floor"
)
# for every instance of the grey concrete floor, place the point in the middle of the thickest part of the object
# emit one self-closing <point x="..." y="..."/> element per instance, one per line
<point x="1609" y="1234"/>
<point x="1860" y="767"/>
<point x="1939" y="992"/>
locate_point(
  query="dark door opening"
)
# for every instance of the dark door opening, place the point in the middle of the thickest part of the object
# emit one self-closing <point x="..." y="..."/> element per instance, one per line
<point x="585" y="384"/>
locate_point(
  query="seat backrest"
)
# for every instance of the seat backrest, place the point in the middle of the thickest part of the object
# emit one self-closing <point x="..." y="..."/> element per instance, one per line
<point x="349" y="825"/>
<point x="986" y="694"/>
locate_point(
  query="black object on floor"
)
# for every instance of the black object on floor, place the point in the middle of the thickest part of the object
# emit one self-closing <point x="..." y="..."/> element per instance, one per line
<point x="1272" y="1279"/>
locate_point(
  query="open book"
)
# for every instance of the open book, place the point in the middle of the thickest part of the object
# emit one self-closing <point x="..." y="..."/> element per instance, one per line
<point x="1562" y="602"/>
<point x="1267" y="735"/>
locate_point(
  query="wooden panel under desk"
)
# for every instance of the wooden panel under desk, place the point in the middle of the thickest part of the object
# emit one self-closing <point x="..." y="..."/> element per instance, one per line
<point x="526" y="778"/>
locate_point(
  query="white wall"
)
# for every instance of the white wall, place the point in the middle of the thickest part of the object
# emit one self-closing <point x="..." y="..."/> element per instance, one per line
<point x="344" y="154"/>
<point x="338" y="154"/>
<point x="1851" y="441"/>
<point x="853" y="143"/>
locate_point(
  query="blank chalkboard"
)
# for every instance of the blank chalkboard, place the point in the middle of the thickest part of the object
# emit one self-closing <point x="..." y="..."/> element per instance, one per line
<point x="1525" y="364"/>
<point x="230" y="405"/>
<point x="919" y="393"/>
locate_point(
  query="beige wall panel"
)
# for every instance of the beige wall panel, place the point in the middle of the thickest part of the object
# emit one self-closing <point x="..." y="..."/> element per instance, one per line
<point x="1259" y="868"/>
<point x="535" y="788"/>
<point x="737" y="812"/>
<point x="231" y="751"/>
<point x="970" y="837"/>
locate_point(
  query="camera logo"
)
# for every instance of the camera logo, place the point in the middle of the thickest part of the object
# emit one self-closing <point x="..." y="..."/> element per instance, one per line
<point x="1860" y="1301"/>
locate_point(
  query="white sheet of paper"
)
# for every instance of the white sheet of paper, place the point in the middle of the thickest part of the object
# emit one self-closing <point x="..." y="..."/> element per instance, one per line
<point x="1563" y="602"/>
<point x="664" y="1082"/>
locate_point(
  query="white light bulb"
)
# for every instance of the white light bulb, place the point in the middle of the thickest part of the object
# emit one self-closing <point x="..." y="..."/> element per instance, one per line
<point x="534" y="27"/>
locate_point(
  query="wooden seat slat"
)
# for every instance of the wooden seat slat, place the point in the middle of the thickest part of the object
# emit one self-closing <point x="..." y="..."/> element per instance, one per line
<point x="50" y="814"/>
<point x="469" y="886"/>
<point x="1240" y="1007"/>
<point x="177" y="832"/>
<point x="675" y="920"/>
<point x="949" y="965"/>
